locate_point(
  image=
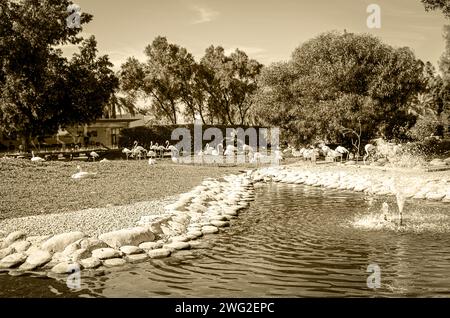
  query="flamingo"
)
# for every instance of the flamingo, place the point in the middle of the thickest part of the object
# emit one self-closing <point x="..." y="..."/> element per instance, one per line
<point x="127" y="152"/>
<point x="369" y="149"/>
<point x="94" y="155"/>
<point x="82" y="174"/>
<point x="152" y="152"/>
<point x="208" y="149"/>
<point x="342" y="151"/>
<point x="161" y="149"/>
<point x="36" y="159"/>
<point x="230" y="151"/>
<point x="216" y="152"/>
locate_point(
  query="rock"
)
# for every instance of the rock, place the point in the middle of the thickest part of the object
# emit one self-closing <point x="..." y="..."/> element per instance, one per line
<point x="129" y="250"/>
<point x="70" y="249"/>
<point x="159" y="253"/>
<point x="105" y="253"/>
<point x="91" y="244"/>
<point x="6" y="251"/>
<point x="133" y="236"/>
<point x="37" y="240"/>
<point x="66" y="268"/>
<point x="91" y="263"/>
<point x="112" y="262"/>
<point x="180" y="238"/>
<point x="13" y="260"/>
<point x="209" y="230"/>
<point x="80" y="254"/>
<point x="178" y="246"/>
<point x="193" y="234"/>
<point x="59" y="242"/>
<point x="13" y="237"/>
<point x="435" y="196"/>
<point x="220" y="223"/>
<point x="150" y="245"/>
<point x="136" y="258"/>
<point x="36" y="259"/>
<point x="437" y="162"/>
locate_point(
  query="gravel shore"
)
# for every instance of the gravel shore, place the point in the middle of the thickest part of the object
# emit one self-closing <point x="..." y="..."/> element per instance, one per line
<point x="92" y="222"/>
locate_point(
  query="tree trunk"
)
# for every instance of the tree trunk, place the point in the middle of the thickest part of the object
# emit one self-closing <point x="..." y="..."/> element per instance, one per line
<point x="25" y="139"/>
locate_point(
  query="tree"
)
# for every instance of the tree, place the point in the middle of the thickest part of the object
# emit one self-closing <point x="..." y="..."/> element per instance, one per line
<point x="162" y="79"/>
<point x="443" y="5"/>
<point x="40" y="90"/>
<point x="230" y="82"/>
<point x="341" y="87"/>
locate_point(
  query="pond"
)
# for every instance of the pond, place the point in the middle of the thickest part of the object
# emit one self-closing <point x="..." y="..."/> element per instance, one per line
<point x="294" y="241"/>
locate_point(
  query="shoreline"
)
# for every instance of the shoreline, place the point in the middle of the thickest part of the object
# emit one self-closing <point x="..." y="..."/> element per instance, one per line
<point x="410" y="183"/>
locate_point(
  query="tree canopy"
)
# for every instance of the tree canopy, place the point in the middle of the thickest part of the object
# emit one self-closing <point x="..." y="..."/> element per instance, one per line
<point x="443" y="5"/>
<point x="40" y="90"/>
<point x="218" y="89"/>
<point x="338" y="86"/>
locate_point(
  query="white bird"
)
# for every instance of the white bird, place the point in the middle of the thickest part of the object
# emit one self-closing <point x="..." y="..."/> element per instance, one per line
<point x="218" y="151"/>
<point x="230" y="151"/>
<point x="36" y="159"/>
<point x="94" y="155"/>
<point x="127" y="152"/>
<point x="208" y="149"/>
<point x="151" y="162"/>
<point x="82" y="174"/>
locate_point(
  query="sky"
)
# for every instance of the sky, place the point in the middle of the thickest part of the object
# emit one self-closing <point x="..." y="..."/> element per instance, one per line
<point x="267" y="30"/>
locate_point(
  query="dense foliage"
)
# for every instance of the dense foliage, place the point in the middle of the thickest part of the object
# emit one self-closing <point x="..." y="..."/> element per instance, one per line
<point x="40" y="90"/>
<point x="341" y="86"/>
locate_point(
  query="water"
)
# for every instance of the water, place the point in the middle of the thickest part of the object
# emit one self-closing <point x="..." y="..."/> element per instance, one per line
<point x="293" y="241"/>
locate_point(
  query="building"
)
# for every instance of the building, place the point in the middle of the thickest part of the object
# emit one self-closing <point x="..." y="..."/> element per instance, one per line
<point x="103" y="132"/>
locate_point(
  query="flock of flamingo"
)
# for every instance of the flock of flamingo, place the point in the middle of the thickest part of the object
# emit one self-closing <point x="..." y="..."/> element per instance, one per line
<point x="159" y="151"/>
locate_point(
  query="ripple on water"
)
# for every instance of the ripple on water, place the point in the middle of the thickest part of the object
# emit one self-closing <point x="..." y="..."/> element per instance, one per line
<point x="298" y="241"/>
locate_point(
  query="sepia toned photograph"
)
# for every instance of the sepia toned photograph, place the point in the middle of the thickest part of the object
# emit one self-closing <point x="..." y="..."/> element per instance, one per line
<point x="206" y="149"/>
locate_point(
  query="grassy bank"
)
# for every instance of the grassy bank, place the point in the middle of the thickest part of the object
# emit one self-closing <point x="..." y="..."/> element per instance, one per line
<point x="28" y="188"/>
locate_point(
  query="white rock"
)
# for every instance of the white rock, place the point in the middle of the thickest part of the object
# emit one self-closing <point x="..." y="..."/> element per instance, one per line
<point x="128" y="250"/>
<point x="13" y="237"/>
<point x="136" y="258"/>
<point x="209" y="229"/>
<point x="36" y="259"/>
<point x="105" y="253"/>
<point x="180" y="238"/>
<point x="80" y="254"/>
<point x="91" y="244"/>
<point x="220" y="223"/>
<point x="13" y="260"/>
<point x="90" y="263"/>
<point x="65" y="268"/>
<point x="435" y="196"/>
<point x="71" y="248"/>
<point x="133" y="236"/>
<point x="150" y="245"/>
<point x="59" y="242"/>
<point x="177" y="246"/>
<point x="112" y="262"/>
<point x="159" y="253"/>
<point x="6" y="251"/>
<point x="37" y="240"/>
